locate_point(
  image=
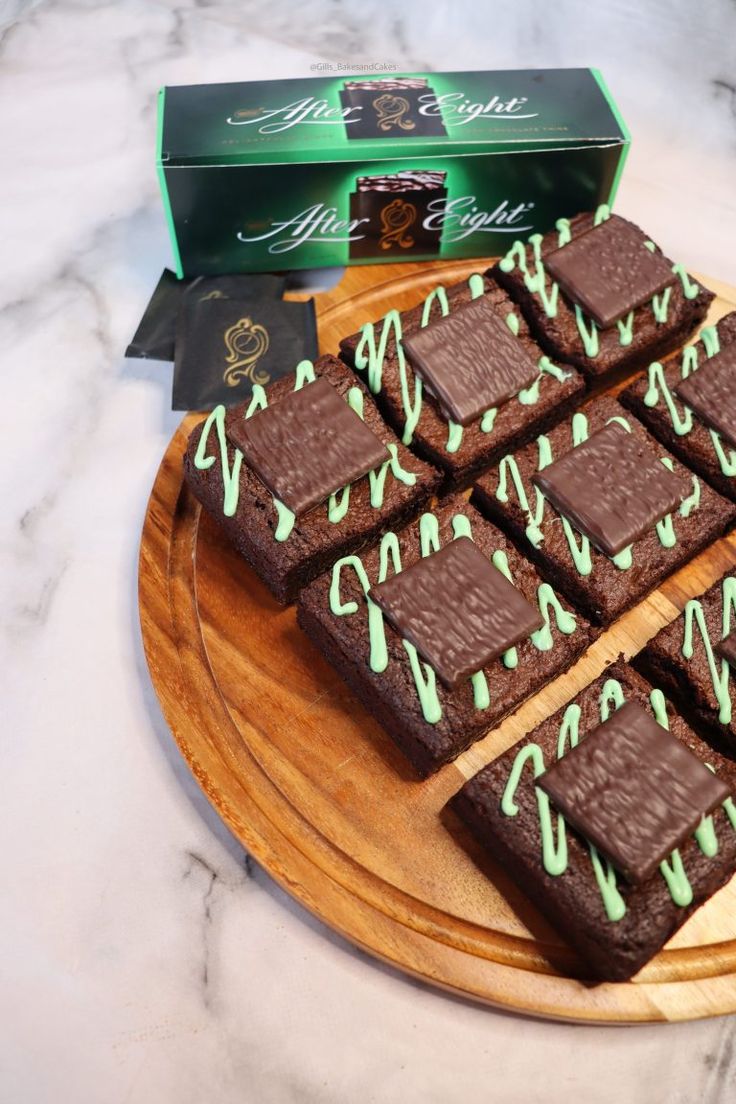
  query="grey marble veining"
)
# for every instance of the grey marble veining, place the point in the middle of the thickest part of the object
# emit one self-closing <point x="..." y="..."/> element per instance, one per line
<point x="146" y="958"/>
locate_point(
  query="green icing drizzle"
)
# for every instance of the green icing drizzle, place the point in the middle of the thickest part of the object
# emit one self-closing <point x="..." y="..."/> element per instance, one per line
<point x="626" y="329"/>
<point x="660" y="305"/>
<point x="425" y="682"/>
<point x="718" y="668"/>
<point x="230" y="476"/>
<point x="566" y="623"/>
<point x="553" y="838"/>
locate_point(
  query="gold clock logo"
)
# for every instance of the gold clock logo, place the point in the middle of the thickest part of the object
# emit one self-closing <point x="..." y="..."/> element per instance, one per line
<point x="391" y="111"/>
<point x="246" y="342"/>
<point x="396" y="218"/>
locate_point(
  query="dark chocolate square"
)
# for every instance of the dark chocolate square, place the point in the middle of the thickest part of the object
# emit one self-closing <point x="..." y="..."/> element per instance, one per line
<point x="224" y="346"/>
<point x="457" y="609"/>
<point x="307" y="446"/>
<point x="609" y="270"/>
<point x="470" y="361"/>
<point x="711" y="392"/>
<point x="633" y="790"/>
<point x="612" y="488"/>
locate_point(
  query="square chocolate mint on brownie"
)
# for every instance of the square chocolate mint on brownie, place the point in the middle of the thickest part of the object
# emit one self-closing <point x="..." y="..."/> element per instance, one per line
<point x="304" y="473"/>
<point x="441" y="631"/>
<point x="694" y="660"/>
<point x="598" y="294"/>
<point x="459" y="377"/>
<point x="658" y="401"/>
<point x="603" y="508"/>
<point x="643" y="791"/>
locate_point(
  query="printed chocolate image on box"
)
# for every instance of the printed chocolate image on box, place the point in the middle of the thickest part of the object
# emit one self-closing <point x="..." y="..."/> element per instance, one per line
<point x="390" y="108"/>
<point x="392" y="209"/>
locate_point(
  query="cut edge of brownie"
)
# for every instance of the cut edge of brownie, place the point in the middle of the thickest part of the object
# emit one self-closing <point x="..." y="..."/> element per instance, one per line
<point x="659" y="423"/>
<point x="427" y="747"/>
<point x="462" y="478"/>
<point x="589" y="942"/>
<point x="693" y="311"/>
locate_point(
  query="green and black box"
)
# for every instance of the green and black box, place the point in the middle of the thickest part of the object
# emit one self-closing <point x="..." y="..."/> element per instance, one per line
<point x="271" y="175"/>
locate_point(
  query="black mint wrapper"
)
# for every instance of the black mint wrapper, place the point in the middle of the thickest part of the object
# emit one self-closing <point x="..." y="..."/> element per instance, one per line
<point x="156" y="334"/>
<point x="224" y="346"/>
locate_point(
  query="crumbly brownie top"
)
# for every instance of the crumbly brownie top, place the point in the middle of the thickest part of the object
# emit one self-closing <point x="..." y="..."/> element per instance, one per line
<point x="692" y="642"/>
<point x="377" y="352"/>
<point x="514" y="483"/>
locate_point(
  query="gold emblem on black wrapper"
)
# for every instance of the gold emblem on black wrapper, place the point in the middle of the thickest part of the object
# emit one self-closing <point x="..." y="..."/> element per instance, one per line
<point x="246" y="342"/>
<point x="391" y="111"/>
<point x="396" y="218"/>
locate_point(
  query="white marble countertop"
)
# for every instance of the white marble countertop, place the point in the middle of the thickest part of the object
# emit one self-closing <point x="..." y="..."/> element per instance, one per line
<point x="145" y="958"/>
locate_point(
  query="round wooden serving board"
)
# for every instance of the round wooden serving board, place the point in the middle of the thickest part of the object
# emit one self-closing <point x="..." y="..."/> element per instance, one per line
<point x="319" y="795"/>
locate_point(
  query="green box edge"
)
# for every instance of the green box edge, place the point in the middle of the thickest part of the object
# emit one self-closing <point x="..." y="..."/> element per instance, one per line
<point x="626" y="144"/>
<point x="161" y="173"/>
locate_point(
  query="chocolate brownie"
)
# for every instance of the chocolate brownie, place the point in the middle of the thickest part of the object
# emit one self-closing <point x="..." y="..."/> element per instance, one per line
<point x="287" y="550"/>
<point x="461" y="451"/>
<point x="430" y="722"/>
<point x="615" y="925"/>
<point x="567" y="332"/>
<point x="600" y="586"/>
<point x="654" y="400"/>
<point x="685" y="659"/>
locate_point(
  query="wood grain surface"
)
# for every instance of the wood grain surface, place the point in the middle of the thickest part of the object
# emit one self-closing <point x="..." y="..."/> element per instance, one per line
<point x="319" y="795"/>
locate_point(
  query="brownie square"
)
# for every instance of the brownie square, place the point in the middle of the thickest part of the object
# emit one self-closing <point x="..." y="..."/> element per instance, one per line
<point x="430" y="723"/>
<point x="286" y="552"/>
<point x="460" y="452"/>
<point x="569" y="335"/>
<point x="683" y="660"/>
<point x="654" y="400"/>
<point x="601" y="587"/>
<point x="614" y="927"/>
